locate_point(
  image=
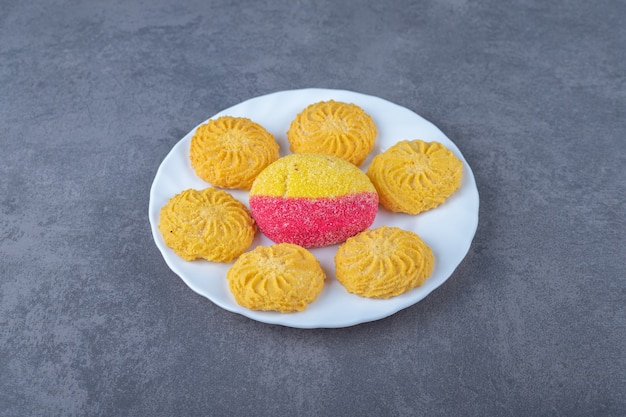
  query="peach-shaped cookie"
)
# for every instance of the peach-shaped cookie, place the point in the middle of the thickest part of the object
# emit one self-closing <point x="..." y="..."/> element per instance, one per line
<point x="312" y="200"/>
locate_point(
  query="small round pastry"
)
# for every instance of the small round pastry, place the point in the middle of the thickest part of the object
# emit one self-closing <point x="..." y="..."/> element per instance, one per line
<point x="230" y="152"/>
<point x="383" y="262"/>
<point x="333" y="128"/>
<point x="415" y="176"/>
<point x="206" y="224"/>
<point x="282" y="277"/>
<point x="312" y="200"/>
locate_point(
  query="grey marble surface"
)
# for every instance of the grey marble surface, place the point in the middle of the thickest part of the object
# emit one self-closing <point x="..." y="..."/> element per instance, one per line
<point x="93" y="95"/>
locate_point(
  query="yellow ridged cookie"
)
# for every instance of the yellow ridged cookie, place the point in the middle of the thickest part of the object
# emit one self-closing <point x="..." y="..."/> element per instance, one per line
<point x="333" y="128"/>
<point x="206" y="224"/>
<point x="383" y="262"/>
<point x="415" y="176"/>
<point x="230" y="151"/>
<point x="282" y="277"/>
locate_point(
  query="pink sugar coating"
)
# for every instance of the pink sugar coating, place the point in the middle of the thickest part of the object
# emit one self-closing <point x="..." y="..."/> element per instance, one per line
<point x="314" y="222"/>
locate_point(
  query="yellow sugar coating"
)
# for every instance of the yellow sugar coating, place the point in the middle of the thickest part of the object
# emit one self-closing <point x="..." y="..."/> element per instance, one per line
<point x="206" y="224"/>
<point x="334" y="128"/>
<point x="312" y="176"/>
<point x="282" y="277"/>
<point x="230" y="151"/>
<point x="415" y="176"/>
<point x="383" y="262"/>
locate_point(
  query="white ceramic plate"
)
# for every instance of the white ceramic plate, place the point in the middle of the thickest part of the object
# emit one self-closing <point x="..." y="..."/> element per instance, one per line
<point x="447" y="229"/>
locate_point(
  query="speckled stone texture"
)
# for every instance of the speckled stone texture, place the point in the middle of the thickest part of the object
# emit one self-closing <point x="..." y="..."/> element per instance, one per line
<point x="93" y="95"/>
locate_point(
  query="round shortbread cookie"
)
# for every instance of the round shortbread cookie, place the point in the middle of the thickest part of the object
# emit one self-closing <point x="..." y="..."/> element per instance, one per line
<point x="415" y="176"/>
<point x="282" y="277"/>
<point x="334" y="128"/>
<point x="230" y="151"/>
<point x="206" y="224"/>
<point x="383" y="262"/>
